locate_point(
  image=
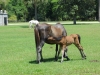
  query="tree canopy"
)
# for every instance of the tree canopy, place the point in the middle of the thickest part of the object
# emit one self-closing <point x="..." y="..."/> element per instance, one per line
<point x="51" y="10"/>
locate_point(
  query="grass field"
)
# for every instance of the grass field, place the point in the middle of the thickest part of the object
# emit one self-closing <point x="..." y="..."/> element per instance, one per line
<point x="18" y="53"/>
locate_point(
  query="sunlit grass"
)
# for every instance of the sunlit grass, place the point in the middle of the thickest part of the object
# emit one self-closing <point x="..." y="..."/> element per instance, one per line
<point x="18" y="53"/>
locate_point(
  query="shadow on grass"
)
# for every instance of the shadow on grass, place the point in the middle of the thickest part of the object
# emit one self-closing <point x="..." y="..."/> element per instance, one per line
<point x="24" y="26"/>
<point x="44" y="60"/>
<point x="76" y="59"/>
<point x="53" y="60"/>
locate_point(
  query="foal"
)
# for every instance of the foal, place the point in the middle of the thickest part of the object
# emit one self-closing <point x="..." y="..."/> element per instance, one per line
<point x="68" y="40"/>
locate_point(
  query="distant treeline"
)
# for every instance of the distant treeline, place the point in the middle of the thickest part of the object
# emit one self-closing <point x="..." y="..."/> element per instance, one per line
<point x="50" y="10"/>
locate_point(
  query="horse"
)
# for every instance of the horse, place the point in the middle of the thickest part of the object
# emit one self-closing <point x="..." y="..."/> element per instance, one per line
<point x="33" y="22"/>
<point x="42" y="32"/>
<point x="68" y="40"/>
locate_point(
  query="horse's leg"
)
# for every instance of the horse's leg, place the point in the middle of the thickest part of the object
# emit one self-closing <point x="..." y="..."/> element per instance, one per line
<point x="65" y="54"/>
<point x="59" y="51"/>
<point x="37" y="41"/>
<point x="56" y="57"/>
<point x="82" y="53"/>
<point x="78" y="45"/>
<point x="38" y="56"/>
<point x="81" y="50"/>
<point x="62" y="55"/>
<point x="40" y="48"/>
<point x="41" y="55"/>
<point x="63" y="49"/>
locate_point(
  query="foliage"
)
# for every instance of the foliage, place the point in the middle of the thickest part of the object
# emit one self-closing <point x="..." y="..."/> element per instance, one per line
<point x="26" y="10"/>
<point x="18" y="8"/>
<point x="18" y="53"/>
<point x="12" y="18"/>
<point x="3" y="4"/>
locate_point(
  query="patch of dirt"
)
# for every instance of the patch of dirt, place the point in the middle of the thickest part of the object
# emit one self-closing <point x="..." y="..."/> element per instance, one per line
<point x="93" y="61"/>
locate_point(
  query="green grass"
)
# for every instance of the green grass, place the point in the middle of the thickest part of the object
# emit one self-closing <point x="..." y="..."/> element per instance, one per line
<point x="18" y="53"/>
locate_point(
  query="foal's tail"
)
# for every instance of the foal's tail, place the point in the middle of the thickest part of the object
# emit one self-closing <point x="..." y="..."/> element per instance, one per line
<point x="79" y="38"/>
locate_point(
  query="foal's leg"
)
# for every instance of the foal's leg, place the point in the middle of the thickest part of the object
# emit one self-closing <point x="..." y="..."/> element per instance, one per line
<point x="65" y="54"/>
<point x="63" y="49"/>
<point x="81" y="50"/>
<point x="82" y="53"/>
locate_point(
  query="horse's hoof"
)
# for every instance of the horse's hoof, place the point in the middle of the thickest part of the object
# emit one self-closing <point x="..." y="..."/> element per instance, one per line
<point x="41" y="59"/>
<point x="84" y="58"/>
<point x="68" y="59"/>
<point x="38" y="62"/>
<point x="56" y="58"/>
<point x="61" y="62"/>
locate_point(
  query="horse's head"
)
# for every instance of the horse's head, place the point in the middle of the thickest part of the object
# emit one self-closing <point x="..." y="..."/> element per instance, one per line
<point x="34" y="22"/>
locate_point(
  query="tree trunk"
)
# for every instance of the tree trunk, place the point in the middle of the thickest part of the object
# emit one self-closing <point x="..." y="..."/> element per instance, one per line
<point x="35" y="5"/>
<point x="74" y="21"/>
<point x="99" y="11"/>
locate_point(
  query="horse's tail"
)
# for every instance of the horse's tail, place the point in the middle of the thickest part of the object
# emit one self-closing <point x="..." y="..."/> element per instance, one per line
<point x="37" y="36"/>
<point x="79" y="38"/>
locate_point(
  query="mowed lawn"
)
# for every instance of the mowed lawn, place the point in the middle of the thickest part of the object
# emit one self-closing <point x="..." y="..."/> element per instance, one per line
<point x="18" y="53"/>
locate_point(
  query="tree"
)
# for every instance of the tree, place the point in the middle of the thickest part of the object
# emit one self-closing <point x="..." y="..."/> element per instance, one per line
<point x="36" y="3"/>
<point x="99" y="10"/>
<point x="51" y="9"/>
<point x="17" y="7"/>
<point x="82" y="9"/>
<point x="3" y="4"/>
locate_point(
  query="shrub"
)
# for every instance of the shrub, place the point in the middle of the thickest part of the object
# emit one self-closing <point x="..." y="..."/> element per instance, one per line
<point x="12" y="18"/>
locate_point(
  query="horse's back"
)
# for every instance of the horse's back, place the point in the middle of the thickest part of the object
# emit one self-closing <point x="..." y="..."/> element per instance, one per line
<point x="69" y="40"/>
<point x="76" y="38"/>
<point x="74" y="35"/>
<point x="59" y="25"/>
<point x="56" y="32"/>
<point x="43" y="26"/>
